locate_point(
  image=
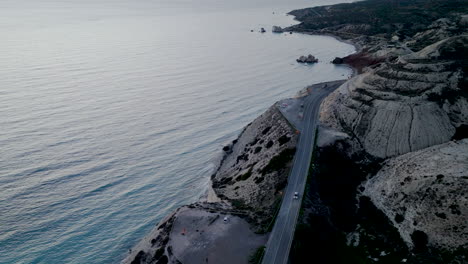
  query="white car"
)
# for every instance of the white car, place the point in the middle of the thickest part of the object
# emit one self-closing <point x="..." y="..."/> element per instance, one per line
<point x="296" y="195"/>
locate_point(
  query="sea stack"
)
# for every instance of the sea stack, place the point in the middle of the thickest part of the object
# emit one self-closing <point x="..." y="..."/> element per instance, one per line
<point x="309" y="59"/>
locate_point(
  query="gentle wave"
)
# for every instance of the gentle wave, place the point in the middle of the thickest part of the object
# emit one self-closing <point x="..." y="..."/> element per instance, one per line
<point x="111" y="117"/>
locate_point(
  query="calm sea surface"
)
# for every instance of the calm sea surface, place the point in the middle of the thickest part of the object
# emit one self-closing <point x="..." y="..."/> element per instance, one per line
<point x="113" y="113"/>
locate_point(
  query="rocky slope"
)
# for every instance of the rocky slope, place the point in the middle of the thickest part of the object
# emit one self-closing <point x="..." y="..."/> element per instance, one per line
<point x="378" y="18"/>
<point x="402" y="196"/>
<point x="389" y="183"/>
<point x="256" y="166"/>
<point x="421" y="193"/>
<point x="401" y="105"/>
<point x="240" y="207"/>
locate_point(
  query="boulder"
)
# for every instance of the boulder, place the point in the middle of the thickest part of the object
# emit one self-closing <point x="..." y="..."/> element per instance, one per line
<point x="277" y="29"/>
<point x="424" y="192"/>
<point x="337" y="60"/>
<point x="309" y="59"/>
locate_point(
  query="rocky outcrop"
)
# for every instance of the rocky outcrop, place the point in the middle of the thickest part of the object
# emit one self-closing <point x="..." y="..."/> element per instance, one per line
<point x="424" y="193"/>
<point x="152" y="249"/>
<point x="439" y="30"/>
<point x="382" y="19"/>
<point x="277" y="29"/>
<point x="338" y="60"/>
<point x="409" y="106"/>
<point x="248" y="186"/>
<point x="197" y="232"/>
<point x="406" y="104"/>
<point x="309" y="59"/>
<point x="255" y="170"/>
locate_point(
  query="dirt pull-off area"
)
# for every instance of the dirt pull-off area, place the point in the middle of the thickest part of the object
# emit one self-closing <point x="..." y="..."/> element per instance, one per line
<point x="199" y="236"/>
<point x="199" y="233"/>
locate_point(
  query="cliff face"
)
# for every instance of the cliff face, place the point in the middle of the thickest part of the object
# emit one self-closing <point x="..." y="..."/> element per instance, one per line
<point x="405" y="104"/>
<point x="424" y="192"/>
<point x="256" y="166"/>
<point x="247" y="186"/>
<point x="405" y="111"/>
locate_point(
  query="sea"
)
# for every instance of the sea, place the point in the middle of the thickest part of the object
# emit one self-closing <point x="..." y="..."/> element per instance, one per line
<point x="114" y="112"/>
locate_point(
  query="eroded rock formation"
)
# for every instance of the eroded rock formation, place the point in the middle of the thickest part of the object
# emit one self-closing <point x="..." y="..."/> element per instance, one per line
<point x="255" y="170"/>
<point x="425" y="192"/>
<point x="406" y="104"/>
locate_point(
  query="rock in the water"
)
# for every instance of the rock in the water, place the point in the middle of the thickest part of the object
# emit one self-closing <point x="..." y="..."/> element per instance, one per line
<point x="277" y="29"/>
<point x="337" y="60"/>
<point x="424" y="192"/>
<point x="309" y="59"/>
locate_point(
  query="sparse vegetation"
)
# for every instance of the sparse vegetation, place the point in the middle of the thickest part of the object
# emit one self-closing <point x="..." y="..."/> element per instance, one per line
<point x="269" y="144"/>
<point x="239" y="204"/>
<point x="266" y="130"/>
<point x="378" y="17"/>
<point x="257" y="150"/>
<point x="283" y="140"/>
<point x="245" y="176"/>
<point x="257" y="256"/>
<point x="279" y="161"/>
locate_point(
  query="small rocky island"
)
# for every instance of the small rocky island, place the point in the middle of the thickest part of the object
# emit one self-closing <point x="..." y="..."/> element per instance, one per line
<point x="307" y="59"/>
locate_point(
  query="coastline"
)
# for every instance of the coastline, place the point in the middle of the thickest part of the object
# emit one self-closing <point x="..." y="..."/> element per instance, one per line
<point x="355" y="203"/>
<point x="210" y="200"/>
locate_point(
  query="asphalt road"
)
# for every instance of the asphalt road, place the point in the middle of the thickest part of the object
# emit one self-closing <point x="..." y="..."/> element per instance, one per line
<point x="281" y="237"/>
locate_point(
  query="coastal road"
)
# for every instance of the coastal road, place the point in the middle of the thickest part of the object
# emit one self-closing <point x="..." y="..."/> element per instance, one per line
<point x="281" y="237"/>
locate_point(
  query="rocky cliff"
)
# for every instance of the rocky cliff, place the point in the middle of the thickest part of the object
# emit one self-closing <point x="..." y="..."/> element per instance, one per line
<point x="405" y="104"/>
<point x="256" y="166"/>
<point x="229" y="225"/>
<point x="399" y="129"/>
<point x="424" y="193"/>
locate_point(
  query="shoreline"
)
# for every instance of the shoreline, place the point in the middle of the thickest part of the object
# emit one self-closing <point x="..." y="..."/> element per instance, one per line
<point x="210" y="196"/>
<point x="209" y="202"/>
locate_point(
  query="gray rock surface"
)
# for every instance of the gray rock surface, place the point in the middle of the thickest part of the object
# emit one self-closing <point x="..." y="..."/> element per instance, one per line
<point x="402" y="105"/>
<point x="242" y="176"/>
<point x="246" y="187"/>
<point x="439" y="30"/>
<point x="277" y="29"/>
<point x="426" y="191"/>
<point x="307" y="59"/>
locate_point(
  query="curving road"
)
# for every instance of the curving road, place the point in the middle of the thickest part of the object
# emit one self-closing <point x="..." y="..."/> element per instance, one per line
<point x="281" y="237"/>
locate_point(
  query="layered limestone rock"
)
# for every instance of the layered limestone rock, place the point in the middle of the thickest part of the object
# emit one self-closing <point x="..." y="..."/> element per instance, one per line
<point x="406" y="104"/>
<point x="425" y="192"/>
<point x="439" y="30"/>
<point x="256" y="166"/>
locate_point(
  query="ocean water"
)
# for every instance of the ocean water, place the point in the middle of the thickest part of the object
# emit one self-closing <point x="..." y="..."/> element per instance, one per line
<point x="113" y="113"/>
